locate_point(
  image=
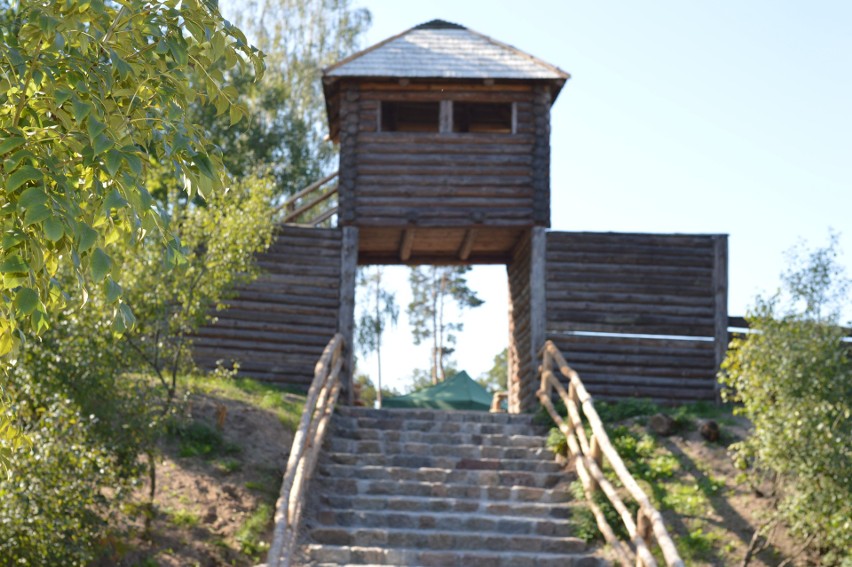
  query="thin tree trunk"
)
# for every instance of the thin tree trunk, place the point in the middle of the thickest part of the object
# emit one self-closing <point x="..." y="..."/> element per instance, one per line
<point x="441" y="293"/>
<point x="434" y="329"/>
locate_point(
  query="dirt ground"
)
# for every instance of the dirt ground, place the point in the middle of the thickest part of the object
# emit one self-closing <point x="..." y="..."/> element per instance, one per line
<point x="203" y="505"/>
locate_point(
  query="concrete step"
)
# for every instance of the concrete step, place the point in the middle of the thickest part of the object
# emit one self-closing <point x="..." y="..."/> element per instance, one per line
<point x="444" y="521"/>
<point x="442" y="475"/>
<point x="428" y="461"/>
<point x="437" y="426"/>
<point x="447" y="505"/>
<point x="448" y="447"/>
<point x="444" y="540"/>
<point x="434" y="415"/>
<point x="482" y="440"/>
<point x="322" y="555"/>
<point x="352" y="487"/>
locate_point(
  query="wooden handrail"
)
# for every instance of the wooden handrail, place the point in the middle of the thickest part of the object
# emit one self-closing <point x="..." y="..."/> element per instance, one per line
<point x="304" y="452"/>
<point x="309" y="189"/>
<point x="588" y="456"/>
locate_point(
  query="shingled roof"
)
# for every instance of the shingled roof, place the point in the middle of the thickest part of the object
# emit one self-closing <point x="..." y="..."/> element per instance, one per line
<point x="444" y="50"/>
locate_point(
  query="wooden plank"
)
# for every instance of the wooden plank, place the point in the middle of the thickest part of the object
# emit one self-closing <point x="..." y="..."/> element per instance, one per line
<point x="467" y="244"/>
<point x="446" y="140"/>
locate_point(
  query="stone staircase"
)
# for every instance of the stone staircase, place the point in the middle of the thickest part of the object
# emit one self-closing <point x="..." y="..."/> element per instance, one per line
<point x="423" y="487"/>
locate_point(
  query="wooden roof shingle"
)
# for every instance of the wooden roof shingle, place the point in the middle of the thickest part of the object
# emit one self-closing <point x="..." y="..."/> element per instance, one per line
<point x="443" y="50"/>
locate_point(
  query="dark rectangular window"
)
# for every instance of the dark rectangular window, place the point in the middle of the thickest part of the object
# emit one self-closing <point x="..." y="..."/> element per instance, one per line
<point x="410" y="116"/>
<point x="490" y="117"/>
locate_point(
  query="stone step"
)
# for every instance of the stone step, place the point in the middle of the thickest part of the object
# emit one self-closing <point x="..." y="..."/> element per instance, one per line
<point x="510" y="525"/>
<point x="441" y="475"/>
<point x="438" y="426"/>
<point x="466" y="416"/>
<point x="444" y="540"/>
<point x="483" y="440"/>
<point x="326" y="555"/>
<point x="427" y="505"/>
<point x="352" y="487"/>
<point x="421" y="461"/>
<point x="447" y="448"/>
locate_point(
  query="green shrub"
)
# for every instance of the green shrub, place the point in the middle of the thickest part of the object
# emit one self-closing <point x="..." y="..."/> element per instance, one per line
<point x="793" y="377"/>
<point x="61" y="488"/>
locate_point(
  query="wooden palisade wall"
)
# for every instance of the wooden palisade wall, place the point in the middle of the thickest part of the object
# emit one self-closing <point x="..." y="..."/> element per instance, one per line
<point x="671" y="290"/>
<point x="278" y="325"/>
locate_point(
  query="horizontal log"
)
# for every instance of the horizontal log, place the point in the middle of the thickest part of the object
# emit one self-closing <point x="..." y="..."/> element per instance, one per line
<point x="288" y="278"/>
<point x="391" y="157"/>
<point x="318" y="334"/>
<point x="593" y="348"/>
<point x="578" y="239"/>
<point x="493" y="203"/>
<point x="287" y="342"/>
<point x="698" y="257"/>
<point x="629" y="319"/>
<point x="273" y="288"/>
<point x="638" y="286"/>
<point x="445" y="139"/>
<point x="657" y="394"/>
<point x="556" y="292"/>
<point x="450" y="151"/>
<point x="689" y="285"/>
<point x="577" y="357"/>
<point x="699" y="313"/>
<point x="285" y="315"/>
<point x="562" y="325"/>
<point x="633" y="372"/>
<point x="599" y="268"/>
<point x="286" y="298"/>
<point x="243" y="349"/>
<point x="414" y="174"/>
<point x="438" y="95"/>
<point x="445" y="178"/>
<point x="443" y="86"/>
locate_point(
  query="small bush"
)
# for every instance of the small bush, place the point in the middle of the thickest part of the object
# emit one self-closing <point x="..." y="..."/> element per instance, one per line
<point x="60" y="491"/>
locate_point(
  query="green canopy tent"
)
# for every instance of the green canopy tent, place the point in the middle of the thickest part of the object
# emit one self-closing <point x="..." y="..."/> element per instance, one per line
<point x="459" y="392"/>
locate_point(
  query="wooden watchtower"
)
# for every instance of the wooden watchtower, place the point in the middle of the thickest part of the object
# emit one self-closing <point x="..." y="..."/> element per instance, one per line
<point x="444" y="138"/>
<point x="444" y="145"/>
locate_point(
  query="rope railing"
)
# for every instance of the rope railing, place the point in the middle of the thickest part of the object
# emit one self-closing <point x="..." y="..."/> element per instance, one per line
<point x="589" y="453"/>
<point x="304" y="452"/>
<point x="304" y="207"/>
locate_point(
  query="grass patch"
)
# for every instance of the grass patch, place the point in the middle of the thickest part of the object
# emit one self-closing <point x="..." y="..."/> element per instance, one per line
<point x="286" y="404"/>
<point x="183" y="518"/>
<point x="200" y="439"/>
<point x="673" y="482"/>
<point x="250" y="533"/>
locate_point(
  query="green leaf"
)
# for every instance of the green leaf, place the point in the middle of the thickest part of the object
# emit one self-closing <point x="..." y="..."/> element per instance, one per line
<point x="23" y="175"/>
<point x="114" y="201"/>
<point x="204" y="165"/>
<point x="113" y="290"/>
<point x="53" y="229"/>
<point x="31" y="197"/>
<point x="13" y="264"/>
<point x="16" y="159"/>
<point x="94" y="127"/>
<point x="10" y="144"/>
<point x="80" y="109"/>
<point x="7" y="342"/>
<point x="100" y="264"/>
<point x="113" y="161"/>
<point x="37" y="214"/>
<point x="12" y="238"/>
<point x="88" y="237"/>
<point x="26" y="300"/>
<point x="101" y="144"/>
<point x="135" y="163"/>
<point x="236" y="114"/>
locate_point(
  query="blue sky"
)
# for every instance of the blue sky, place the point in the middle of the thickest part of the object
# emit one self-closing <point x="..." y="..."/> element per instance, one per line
<point x="707" y="117"/>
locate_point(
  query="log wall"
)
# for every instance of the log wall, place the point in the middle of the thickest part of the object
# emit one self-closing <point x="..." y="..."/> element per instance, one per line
<point x="604" y="289"/>
<point x="444" y="179"/>
<point x="526" y="319"/>
<point x="278" y="325"/>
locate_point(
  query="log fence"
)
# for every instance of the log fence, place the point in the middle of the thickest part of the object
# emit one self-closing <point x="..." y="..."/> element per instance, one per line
<point x="304" y="452"/>
<point x="589" y="453"/>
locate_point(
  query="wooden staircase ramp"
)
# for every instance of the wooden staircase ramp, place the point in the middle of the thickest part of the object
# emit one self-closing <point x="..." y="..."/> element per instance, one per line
<point x="429" y="487"/>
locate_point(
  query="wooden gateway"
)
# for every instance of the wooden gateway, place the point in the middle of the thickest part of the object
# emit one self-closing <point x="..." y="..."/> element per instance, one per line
<point x="444" y="138"/>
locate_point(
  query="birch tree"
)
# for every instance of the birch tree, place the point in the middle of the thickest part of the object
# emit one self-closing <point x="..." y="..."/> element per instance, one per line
<point x="433" y="288"/>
